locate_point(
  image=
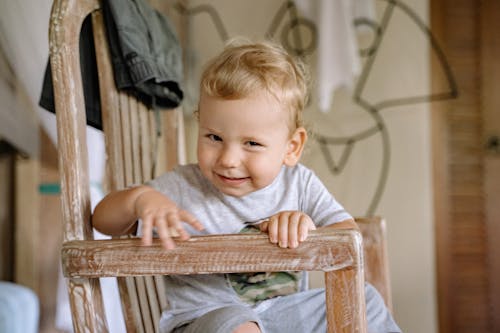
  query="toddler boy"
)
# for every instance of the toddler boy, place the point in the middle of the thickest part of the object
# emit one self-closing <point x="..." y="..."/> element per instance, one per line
<point x="248" y="176"/>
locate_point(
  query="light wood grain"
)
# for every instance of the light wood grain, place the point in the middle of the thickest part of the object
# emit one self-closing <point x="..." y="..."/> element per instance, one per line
<point x="467" y="267"/>
<point x="376" y="258"/>
<point x="66" y="20"/>
<point x="322" y="251"/>
<point x="336" y="252"/>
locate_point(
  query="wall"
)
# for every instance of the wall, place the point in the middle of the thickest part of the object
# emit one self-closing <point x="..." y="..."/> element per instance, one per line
<point x="400" y="69"/>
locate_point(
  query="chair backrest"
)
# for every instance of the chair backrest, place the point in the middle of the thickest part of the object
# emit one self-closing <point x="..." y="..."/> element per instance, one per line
<point x="140" y="144"/>
<point x="135" y="150"/>
<point x="132" y="149"/>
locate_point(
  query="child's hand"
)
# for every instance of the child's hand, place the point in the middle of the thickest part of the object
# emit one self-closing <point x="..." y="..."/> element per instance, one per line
<point x="156" y="210"/>
<point x="288" y="228"/>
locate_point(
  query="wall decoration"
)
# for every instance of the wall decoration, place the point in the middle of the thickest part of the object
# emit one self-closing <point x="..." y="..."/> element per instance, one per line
<point x="300" y="36"/>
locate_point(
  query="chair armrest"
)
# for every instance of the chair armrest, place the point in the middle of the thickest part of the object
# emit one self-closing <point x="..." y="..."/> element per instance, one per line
<point x="324" y="250"/>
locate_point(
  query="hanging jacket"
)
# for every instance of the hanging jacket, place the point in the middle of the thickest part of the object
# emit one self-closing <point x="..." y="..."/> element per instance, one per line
<point x="145" y="54"/>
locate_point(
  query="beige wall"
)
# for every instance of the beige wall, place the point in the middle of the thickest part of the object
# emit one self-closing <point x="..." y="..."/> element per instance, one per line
<point x="400" y="70"/>
<point x="18" y="74"/>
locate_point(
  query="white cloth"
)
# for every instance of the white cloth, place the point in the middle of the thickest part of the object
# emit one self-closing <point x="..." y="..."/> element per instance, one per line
<point x="19" y="309"/>
<point x="338" y="63"/>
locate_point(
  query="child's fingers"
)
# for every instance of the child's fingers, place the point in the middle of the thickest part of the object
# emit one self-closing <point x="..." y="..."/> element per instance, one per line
<point x="305" y="225"/>
<point x="186" y="217"/>
<point x="191" y="220"/>
<point x="164" y="233"/>
<point x="288" y="228"/>
<point x="147" y="231"/>
<point x="283" y="220"/>
<point x="272" y="229"/>
<point x="167" y="227"/>
<point x="175" y="226"/>
<point x="263" y="226"/>
<point x="293" y="229"/>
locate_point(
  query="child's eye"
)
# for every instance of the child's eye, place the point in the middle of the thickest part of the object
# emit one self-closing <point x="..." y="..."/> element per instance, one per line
<point x="214" y="137"/>
<point x="253" y="144"/>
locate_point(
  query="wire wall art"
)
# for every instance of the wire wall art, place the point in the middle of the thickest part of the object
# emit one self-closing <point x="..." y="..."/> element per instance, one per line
<point x="293" y="39"/>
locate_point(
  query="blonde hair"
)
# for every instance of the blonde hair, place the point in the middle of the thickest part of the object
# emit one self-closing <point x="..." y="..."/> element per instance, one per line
<point x="244" y="67"/>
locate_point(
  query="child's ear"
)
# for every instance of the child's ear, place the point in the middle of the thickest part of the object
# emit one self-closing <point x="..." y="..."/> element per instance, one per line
<point x="296" y="145"/>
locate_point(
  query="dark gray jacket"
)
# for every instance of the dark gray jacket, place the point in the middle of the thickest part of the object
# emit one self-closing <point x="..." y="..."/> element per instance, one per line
<point x="146" y="58"/>
<point x="145" y="51"/>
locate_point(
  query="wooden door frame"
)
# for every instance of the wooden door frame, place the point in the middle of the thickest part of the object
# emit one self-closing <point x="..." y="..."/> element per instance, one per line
<point x="466" y="176"/>
<point x="490" y="101"/>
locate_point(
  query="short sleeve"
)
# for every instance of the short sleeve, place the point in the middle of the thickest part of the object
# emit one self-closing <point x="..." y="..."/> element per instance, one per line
<point x="319" y="203"/>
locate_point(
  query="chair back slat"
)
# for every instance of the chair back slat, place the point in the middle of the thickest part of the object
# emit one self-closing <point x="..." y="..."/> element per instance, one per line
<point x="134" y="133"/>
<point x="153" y="303"/>
<point x="146" y="140"/>
<point x="132" y="149"/>
<point x="126" y="156"/>
<point x="161" y="292"/>
<point x="144" y="310"/>
<point x="112" y="101"/>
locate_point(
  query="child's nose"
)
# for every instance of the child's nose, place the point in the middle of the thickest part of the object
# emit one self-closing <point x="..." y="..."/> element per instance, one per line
<point x="229" y="157"/>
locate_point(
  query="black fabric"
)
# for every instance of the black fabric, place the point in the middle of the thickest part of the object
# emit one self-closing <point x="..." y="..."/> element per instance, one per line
<point x="89" y="79"/>
<point x="146" y="59"/>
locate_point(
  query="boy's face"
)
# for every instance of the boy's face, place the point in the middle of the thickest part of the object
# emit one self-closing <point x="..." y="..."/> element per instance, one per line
<point x="243" y="143"/>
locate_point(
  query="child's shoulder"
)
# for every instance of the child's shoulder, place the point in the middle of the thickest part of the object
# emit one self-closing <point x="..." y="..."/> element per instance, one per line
<point x="301" y="176"/>
<point x="296" y="176"/>
<point x="299" y="170"/>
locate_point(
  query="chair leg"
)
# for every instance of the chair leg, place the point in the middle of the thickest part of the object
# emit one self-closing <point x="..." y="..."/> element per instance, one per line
<point x="345" y="301"/>
<point x="87" y="306"/>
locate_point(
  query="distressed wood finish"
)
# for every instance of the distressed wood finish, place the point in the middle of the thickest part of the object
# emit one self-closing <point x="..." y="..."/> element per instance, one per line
<point x="376" y="261"/>
<point x="336" y="252"/>
<point x="345" y="301"/>
<point x="131" y="143"/>
<point x="137" y="141"/>
<point x="324" y="250"/>
<point x="65" y="22"/>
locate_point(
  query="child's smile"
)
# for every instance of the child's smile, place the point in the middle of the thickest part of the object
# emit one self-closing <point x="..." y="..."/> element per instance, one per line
<point x="233" y="181"/>
<point x="242" y="143"/>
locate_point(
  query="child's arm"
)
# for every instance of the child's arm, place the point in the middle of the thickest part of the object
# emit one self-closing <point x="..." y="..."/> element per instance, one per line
<point x="118" y="212"/>
<point x="290" y="228"/>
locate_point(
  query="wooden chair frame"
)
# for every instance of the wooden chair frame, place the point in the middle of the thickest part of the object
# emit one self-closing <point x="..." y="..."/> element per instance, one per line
<point x="375" y="256"/>
<point x="338" y="253"/>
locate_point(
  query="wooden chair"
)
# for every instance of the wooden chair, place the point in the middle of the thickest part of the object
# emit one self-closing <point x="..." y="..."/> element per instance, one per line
<point x="376" y="262"/>
<point x="131" y="146"/>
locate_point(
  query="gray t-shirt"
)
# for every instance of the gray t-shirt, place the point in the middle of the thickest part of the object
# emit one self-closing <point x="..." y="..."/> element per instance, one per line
<point x="296" y="188"/>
